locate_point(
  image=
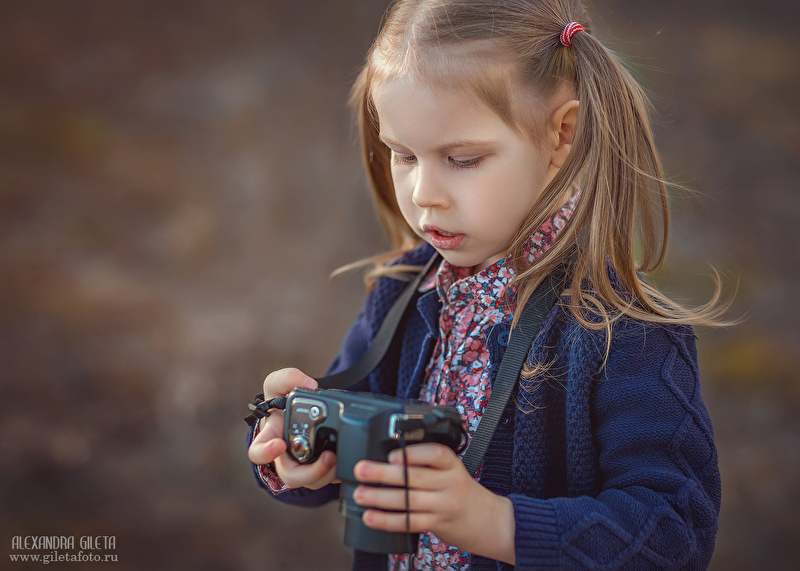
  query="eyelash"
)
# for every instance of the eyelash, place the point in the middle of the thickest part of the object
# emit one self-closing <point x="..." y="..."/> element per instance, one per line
<point x="398" y="159"/>
<point x="407" y="160"/>
<point x="466" y="163"/>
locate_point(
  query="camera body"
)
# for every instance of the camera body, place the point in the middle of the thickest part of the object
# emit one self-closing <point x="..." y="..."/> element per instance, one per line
<point x="364" y="426"/>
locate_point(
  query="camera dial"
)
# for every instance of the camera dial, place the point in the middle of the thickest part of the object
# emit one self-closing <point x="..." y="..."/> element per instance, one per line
<point x="300" y="447"/>
<point x="305" y="415"/>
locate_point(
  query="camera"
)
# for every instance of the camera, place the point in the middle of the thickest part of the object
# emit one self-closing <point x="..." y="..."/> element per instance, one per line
<point x="364" y="426"/>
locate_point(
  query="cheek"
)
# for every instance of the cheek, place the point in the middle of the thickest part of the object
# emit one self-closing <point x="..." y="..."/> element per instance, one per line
<point x="397" y="184"/>
<point x="403" y="195"/>
<point x="503" y="211"/>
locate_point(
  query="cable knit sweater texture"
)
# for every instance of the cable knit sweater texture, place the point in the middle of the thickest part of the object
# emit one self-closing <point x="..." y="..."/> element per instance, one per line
<point x="608" y="467"/>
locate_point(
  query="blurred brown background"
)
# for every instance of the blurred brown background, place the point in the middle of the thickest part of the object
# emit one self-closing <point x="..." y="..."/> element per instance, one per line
<point x="177" y="180"/>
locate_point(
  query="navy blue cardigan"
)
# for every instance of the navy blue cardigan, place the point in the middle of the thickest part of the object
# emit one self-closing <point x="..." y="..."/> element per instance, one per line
<point x="608" y="467"/>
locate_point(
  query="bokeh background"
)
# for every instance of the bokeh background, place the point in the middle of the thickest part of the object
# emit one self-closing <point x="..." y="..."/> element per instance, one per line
<point x="177" y="180"/>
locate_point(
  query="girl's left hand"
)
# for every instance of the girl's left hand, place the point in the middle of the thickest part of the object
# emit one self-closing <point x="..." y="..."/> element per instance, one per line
<point x="443" y="498"/>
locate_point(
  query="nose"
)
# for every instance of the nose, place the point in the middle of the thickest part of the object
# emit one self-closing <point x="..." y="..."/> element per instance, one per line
<point x="428" y="188"/>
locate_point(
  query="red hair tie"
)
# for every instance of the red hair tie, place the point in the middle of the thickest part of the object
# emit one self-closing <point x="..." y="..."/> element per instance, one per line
<point x="570" y="30"/>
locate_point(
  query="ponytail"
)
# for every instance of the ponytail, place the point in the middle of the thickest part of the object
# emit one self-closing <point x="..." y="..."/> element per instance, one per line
<point x="620" y="226"/>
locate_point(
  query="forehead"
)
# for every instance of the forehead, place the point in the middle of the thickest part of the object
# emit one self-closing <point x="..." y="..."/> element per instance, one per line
<point x="432" y="113"/>
<point x="477" y="71"/>
<point x="412" y="95"/>
<point x="420" y="117"/>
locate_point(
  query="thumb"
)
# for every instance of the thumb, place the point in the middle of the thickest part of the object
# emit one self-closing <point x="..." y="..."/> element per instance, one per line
<point x="261" y="452"/>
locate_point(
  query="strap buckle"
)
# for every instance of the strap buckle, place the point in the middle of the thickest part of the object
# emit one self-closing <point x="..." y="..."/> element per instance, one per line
<point x="261" y="408"/>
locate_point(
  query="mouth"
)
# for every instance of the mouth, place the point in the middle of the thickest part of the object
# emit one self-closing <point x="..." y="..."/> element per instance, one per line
<point x="442" y="239"/>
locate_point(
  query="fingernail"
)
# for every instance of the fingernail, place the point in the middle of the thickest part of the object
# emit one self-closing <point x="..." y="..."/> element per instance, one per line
<point x="368" y="518"/>
<point x="358" y="472"/>
<point x="309" y="383"/>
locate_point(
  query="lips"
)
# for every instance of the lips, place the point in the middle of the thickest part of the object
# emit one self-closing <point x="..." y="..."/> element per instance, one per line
<point x="441" y="239"/>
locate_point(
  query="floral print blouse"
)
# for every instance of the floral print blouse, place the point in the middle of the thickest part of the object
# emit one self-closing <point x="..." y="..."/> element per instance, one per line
<point x="459" y="372"/>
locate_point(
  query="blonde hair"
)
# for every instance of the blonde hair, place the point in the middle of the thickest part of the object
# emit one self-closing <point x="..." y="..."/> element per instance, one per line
<point x="509" y="55"/>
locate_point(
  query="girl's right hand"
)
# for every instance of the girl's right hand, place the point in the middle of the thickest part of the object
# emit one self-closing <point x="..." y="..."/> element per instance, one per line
<point x="269" y="445"/>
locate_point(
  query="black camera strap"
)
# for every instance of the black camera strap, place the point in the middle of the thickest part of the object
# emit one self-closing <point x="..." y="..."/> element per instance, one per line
<point x="519" y="343"/>
<point x="383" y="338"/>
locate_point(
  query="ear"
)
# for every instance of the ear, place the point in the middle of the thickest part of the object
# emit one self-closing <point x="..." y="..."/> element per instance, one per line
<point x="563" y="124"/>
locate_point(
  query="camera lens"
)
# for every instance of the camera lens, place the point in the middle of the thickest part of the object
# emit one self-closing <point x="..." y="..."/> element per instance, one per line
<point x="359" y="536"/>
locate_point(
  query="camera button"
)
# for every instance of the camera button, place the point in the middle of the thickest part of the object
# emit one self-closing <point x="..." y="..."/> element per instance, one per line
<point x="300" y="448"/>
<point x="314" y="413"/>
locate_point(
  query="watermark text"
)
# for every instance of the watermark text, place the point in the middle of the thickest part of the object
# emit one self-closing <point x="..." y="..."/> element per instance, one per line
<point x="46" y="549"/>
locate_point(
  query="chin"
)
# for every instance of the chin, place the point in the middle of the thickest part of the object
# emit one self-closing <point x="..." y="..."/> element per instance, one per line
<point x="460" y="260"/>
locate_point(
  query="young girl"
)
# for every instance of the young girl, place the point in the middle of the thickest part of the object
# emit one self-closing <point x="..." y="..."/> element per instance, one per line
<point x="507" y="138"/>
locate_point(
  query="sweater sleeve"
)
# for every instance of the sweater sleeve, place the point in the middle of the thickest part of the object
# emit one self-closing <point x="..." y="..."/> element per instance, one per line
<point x="658" y="499"/>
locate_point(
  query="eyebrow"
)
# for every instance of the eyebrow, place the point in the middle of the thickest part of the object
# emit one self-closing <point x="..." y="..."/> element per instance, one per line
<point x="459" y="144"/>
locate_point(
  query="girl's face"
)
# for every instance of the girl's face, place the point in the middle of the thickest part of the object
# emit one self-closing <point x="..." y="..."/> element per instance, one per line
<point x="464" y="180"/>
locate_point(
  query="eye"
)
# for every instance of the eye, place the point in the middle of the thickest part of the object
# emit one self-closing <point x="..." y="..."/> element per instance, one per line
<point x="400" y="159"/>
<point x="461" y="163"/>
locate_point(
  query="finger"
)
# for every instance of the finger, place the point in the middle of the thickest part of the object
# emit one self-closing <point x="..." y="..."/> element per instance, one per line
<point x="280" y="383"/>
<point x="270" y="427"/>
<point x="264" y="452"/>
<point x="369" y="472"/>
<point x="328" y="478"/>
<point x="428" y="454"/>
<point x="424" y="461"/>
<point x="268" y="444"/>
<point x="297" y="475"/>
<point x="397" y="522"/>
<point x="395" y="498"/>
